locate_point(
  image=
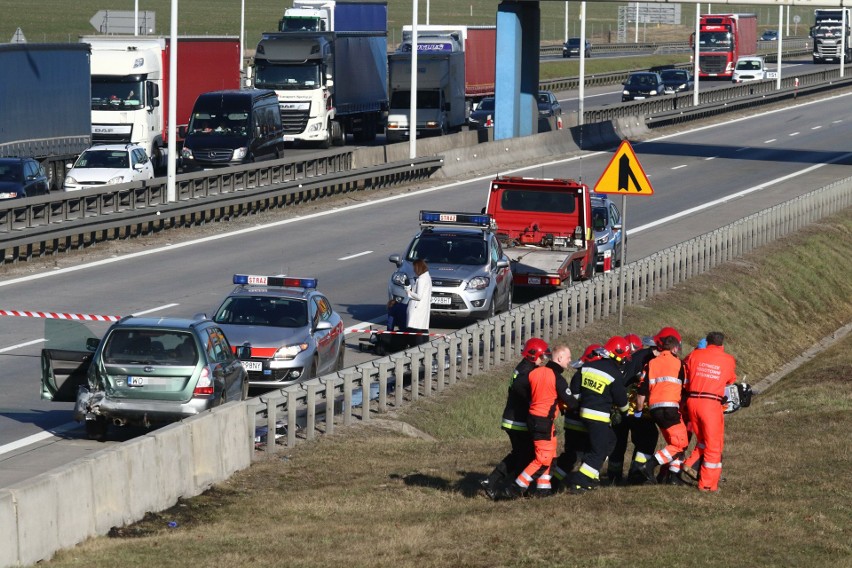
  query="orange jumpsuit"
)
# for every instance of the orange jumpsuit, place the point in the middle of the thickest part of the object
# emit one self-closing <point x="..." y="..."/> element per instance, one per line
<point x="663" y="384"/>
<point x="708" y="372"/>
<point x="548" y="388"/>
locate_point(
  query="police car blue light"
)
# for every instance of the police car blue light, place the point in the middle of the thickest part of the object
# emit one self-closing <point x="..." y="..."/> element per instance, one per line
<point x="451" y="218"/>
<point x="281" y="281"/>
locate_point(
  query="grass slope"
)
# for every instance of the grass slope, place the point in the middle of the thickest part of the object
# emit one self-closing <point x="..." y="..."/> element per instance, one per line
<point x="371" y="497"/>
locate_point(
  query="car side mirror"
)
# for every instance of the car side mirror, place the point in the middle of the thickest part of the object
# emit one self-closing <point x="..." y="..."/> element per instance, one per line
<point x="244" y="351"/>
<point x="138" y="166"/>
<point x="323" y="325"/>
<point x="396" y="259"/>
<point x="182" y="131"/>
<point x="92" y="344"/>
<point x="502" y="263"/>
<point x="616" y="227"/>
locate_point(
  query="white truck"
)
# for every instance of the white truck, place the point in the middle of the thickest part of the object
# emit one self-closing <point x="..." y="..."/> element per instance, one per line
<point x="320" y="15"/>
<point x="441" y="106"/>
<point x="130" y="77"/>
<point x="829" y="36"/>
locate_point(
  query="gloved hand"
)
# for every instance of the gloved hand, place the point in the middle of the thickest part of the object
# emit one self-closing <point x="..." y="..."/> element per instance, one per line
<point x="616" y="417"/>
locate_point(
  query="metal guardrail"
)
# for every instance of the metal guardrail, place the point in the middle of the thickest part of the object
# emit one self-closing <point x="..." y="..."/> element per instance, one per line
<point x="295" y="412"/>
<point x="55" y="223"/>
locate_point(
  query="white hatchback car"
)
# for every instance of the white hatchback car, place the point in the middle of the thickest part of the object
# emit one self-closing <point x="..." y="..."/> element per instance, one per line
<point x="749" y="68"/>
<point x="109" y="164"/>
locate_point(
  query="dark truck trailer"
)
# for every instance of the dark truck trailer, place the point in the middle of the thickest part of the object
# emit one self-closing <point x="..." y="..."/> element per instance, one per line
<point x="45" y="97"/>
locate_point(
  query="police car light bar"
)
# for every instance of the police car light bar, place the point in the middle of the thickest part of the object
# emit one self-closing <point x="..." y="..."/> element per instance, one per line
<point x="451" y="218"/>
<point x="280" y="281"/>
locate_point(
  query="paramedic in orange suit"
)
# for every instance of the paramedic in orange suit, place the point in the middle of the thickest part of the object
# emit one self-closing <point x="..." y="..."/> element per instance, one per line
<point x="708" y="372"/>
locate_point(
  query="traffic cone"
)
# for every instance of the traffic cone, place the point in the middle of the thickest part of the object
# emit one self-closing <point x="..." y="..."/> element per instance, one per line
<point x="558" y="123"/>
<point x="607" y="261"/>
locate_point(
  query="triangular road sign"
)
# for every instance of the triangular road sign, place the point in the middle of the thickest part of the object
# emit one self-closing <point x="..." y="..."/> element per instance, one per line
<point x="18" y="37"/>
<point x="624" y="174"/>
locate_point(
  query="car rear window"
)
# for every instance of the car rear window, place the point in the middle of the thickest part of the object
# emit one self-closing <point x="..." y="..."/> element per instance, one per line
<point x="150" y="346"/>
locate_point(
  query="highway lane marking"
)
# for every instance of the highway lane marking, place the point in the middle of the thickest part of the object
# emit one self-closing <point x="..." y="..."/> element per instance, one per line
<point x="679" y="167"/>
<point x="770" y="140"/>
<point x="836" y="121"/>
<point x="793" y="134"/>
<point x="816" y="127"/>
<point x="711" y="158"/>
<point x="157" y="309"/>
<point x="721" y="200"/>
<point x="356" y="255"/>
<point x="25" y="344"/>
<point x="742" y="149"/>
<point x="50" y="433"/>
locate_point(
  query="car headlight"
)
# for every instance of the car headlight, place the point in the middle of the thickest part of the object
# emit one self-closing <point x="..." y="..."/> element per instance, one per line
<point x="399" y="278"/>
<point x="625" y="93"/>
<point x="70" y="181"/>
<point x="393" y="125"/>
<point x="240" y="153"/>
<point x="186" y="153"/>
<point x="478" y="283"/>
<point x="653" y="92"/>
<point x="116" y="179"/>
<point x="290" y="351"/>
<point x="431" y="124"/>
<point x="314" y="127"/>
<point x="602" y="240"/>
<point x="681" y="87"/>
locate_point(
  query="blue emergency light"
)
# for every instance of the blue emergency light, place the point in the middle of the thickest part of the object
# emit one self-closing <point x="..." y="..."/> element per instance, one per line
<point x="281" y="281"/>
<point x="452" y="218"/>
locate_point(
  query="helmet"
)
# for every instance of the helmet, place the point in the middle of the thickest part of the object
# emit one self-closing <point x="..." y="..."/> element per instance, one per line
<point x="635" y="341"/>
<point x="535" y="348"/>
<point x="618" y="348"/>
<point x="591" y="353"/>
<point x="666" y="332"/>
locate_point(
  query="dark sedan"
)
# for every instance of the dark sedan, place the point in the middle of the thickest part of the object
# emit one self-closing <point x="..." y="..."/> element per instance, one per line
<point x="22" y="177"/>
<point x="677" y="80"/>
<point x="548" y="104"/>
<point x="483" y="115"/>
<point x="642" y="85"/>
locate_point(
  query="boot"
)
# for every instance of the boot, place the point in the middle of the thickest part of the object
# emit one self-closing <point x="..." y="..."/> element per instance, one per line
<point x="540" y="492"/>
<point x="513" y="491"/>
<point x="647" y="470"/>
<point x="612" y="479"/>
<point x="674" y="479"/>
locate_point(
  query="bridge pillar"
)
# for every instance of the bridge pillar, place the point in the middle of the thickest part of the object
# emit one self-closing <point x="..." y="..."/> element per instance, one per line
<point x="516" y="84"/>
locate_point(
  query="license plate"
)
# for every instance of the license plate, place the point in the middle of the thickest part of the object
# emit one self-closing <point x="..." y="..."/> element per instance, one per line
<point x="533" y="280"/>
<point x="441" y="301"/>
<point x="289" y="139"/>
<point x="638" y="98"/>
<point x="136" y="381"/>
<point x="252" y="365"/>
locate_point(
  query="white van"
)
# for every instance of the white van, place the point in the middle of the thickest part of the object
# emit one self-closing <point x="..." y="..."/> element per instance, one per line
<point x="749" y="68"/>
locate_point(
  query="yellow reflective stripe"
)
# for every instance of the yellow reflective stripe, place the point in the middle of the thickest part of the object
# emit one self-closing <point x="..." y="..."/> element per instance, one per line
<point x="512" y="425"/>
<point x="641" y="458"/>
<point x="589" y="471"/>
<point x="595" y="415"/>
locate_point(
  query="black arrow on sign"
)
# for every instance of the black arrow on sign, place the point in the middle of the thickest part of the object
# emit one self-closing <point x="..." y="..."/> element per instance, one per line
<point x="625" y="172"/>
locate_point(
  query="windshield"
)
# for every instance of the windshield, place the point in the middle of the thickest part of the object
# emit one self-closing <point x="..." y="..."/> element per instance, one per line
<point x="263" y="311"/>
<point x="674" y="75"/>
<point x="486" y="104"/>
<point x="641" y="80"/>
<point x="538" y="201"/>
<point x="449" y="249"/>
<point x="748" y="65"/>
<point x="112" y="159"/>
<point x="117" y="95"/>
<point x="285" y="77"/>
<point x="219" y="124"/>
<point x="150" y="346"/>
<point x="12" y="172"/>
<point x="574" y="42"/>
<point x="599" y="218"/>
<point x="716" y="41"/>
<point x="302" y="24"/>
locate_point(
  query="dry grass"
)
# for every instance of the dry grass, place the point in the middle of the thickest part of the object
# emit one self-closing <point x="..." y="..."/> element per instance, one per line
<point x="370" y="497"/>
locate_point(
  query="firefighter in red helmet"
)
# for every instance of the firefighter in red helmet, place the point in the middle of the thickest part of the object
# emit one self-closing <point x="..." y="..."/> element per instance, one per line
<point x="601" y="388"/>
<point x="514" y="421"/>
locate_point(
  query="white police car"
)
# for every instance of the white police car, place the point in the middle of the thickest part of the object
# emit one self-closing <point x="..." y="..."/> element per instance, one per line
<point x="607" y="224"/>
<point x="293" y="331"/>
<point x="470" y="273"/>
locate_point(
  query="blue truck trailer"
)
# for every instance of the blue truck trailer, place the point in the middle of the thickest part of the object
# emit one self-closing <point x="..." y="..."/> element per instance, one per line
<point x="45" y="104"/>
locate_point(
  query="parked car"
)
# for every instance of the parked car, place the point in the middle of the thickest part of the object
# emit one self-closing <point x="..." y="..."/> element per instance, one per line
<point x="769" y="35"/>
<point x="145" y="371"/>
<point x="571" y="48"/>
<point x="677" y="80"/>
<point x="22" y="177"/>
<point x="749" y="68"/>
<point x="479" y="117"/>
<point x="294" y="332"/>
<point x="109" y="164"/>
<point x="642" y="85"/>
<point x="607" y="224"/>
<point x="548" y="104"/>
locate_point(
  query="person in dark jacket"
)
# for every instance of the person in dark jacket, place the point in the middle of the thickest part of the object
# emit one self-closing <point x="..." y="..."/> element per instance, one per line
<point x="601" y="389"/>
<point x="514" y="422"/>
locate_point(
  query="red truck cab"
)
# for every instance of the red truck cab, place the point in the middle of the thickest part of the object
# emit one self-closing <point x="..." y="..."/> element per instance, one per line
<point x="545" y="228"/>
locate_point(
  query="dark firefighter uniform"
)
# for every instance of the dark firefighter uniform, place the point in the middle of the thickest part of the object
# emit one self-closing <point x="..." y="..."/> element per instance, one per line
<point x="575" y="442"/>
<point x="601" y="387"/>
<point x="514" y="422"/>
<point x="548" y="392"/>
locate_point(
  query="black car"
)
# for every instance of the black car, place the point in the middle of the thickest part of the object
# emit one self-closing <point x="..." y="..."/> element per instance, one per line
<point x="571" y="48"/>
<point x="769" y="35"/>
<point x="677" y="80"/>
<point x="642" y="86"/>
<point x="22" y="177"/>
<point x="548" y="104"/>
<point x="479" y="116"/>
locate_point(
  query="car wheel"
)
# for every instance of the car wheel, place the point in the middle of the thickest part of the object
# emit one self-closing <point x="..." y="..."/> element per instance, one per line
<point x="96" y="429"/>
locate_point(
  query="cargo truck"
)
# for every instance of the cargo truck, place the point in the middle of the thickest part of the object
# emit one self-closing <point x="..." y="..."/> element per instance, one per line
<point x="545" y="227"/>
<point x="321" y="15"/>
<point x="44" y="104"/>
<point x="130" y="85"/>
<point x="829" y="35"/>
<point x="456" y="70"/>
<point x="329" y="83"/>
<point x="724" y="38"/>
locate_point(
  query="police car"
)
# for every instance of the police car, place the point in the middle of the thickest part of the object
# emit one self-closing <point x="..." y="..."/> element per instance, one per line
<point x="470" y="273"/>
<point x="293" y="331"/>
<point x="607" y="224"/>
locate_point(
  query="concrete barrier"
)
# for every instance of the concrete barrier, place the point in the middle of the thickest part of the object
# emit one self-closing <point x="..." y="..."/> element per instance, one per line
<point x="36" y="509"/>
<point x="8" y="529"/>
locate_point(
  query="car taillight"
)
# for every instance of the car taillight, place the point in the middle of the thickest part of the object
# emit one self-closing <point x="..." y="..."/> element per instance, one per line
<point x="204" y="387"/>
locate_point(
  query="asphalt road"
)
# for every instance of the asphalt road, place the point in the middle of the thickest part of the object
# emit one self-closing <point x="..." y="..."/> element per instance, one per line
<point x="702" y="179"/>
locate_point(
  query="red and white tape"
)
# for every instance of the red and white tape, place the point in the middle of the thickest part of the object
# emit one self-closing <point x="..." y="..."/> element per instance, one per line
<point x="58" y="315"/>
<point x="380" y="332"/>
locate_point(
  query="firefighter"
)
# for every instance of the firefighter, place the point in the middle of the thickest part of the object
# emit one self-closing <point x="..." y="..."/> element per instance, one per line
<point x="661" y="388"/>
<point x="708" y="372"/>
<point x="576" y="440"/>
<point x="548" y="393"/>
<point x="641" y="431"/>
<point x="600" y="387"/>
<point x="514" y="420"/>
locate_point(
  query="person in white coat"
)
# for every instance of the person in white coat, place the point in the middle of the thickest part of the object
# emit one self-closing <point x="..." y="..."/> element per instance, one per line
<point x="419" y="303"/>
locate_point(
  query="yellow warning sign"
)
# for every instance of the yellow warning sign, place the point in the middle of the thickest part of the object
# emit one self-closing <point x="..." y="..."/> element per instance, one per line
<point x="624" y="174"/>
